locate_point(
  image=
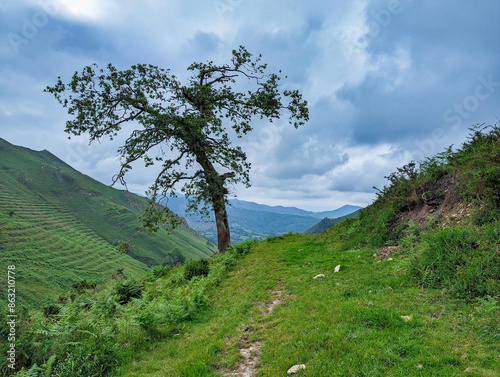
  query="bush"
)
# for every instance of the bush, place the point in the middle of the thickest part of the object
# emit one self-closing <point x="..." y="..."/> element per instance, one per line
<point x="198" y="267"/>
<point x="174" y="258"/>
<point x="91" y="362"/>
<point x="244" y="247"/>
<point x="51" y="311"/>
<point x="157" y="272"/>
<point x="83" y="286"/>
<point x="463" y="260"/>
<point x="126" y="290"/>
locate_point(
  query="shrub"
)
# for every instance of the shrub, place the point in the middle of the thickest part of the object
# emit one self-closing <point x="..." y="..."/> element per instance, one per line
<point x="157" y="272"/>
<point x="123" y="247"/>
<point x="198" y="267"/>
<point x="51" y="310"/>
<point x="174" y="258"/>
<point x="126" y="290"/>
<point x="463" y="260"/>
<point x="83" y="286"/>
<point x="87" y="362"/>
<point x="244" y="247"/>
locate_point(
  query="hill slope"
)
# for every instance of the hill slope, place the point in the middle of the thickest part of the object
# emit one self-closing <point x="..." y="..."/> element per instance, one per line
<point x="59" y="226"/>
<point x="368" y="319"/>
<point x="327" y="223"/>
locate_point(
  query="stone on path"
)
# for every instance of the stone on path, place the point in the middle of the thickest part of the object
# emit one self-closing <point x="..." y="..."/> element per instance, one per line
<point x="296" y="368"/>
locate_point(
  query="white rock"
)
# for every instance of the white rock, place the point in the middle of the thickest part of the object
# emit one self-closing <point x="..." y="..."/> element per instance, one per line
<point x="337" y="269"/>
<point x="319" y="276"/>
<point x="296" y="368"/>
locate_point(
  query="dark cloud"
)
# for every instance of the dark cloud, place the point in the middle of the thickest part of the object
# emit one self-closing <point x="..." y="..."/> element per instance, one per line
<point x="449" y="48"/>
<point x="205" y="42"/>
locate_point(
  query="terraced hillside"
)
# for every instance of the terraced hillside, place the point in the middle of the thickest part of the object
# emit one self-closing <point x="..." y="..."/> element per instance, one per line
<point x="59" y="227"/>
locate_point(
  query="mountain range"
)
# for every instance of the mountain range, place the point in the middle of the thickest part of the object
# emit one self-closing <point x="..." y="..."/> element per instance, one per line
<point x="249" y="220"/>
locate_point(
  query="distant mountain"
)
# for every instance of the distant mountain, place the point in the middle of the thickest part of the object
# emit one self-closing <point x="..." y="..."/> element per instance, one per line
<point x="327" y="223"/>
<point x="340" y="212"/>
<point x="58" y="227"/>
<point x="249" y="220"/>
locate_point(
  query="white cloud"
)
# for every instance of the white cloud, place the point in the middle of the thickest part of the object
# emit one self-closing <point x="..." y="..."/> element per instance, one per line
<point x="343" y="58"/>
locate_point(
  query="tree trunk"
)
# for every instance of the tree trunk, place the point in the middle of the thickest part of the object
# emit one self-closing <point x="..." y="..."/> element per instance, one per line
<point x="217" y="196"/>
<point x="223" y="234"/>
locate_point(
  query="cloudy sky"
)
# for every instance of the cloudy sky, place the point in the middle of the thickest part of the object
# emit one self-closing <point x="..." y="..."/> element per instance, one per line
<point x="387" y="81"/>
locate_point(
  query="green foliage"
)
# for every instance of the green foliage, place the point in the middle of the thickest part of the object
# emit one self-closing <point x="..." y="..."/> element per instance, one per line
<point x="478" y="163"/>
<point x="464" y="260"/>
<point x="93" y="360"/>
<point x="96" y="331"/>
<point x="34" y="371"/>
<point x="50" y="365"/>
<point x="157" y="272"/>
<point x="189" y="118"/>
<point x="364" y="231"/>
<point x="83" y="285"/>
<point x="487" y="305"/>
<point x="123" y="247"/>
<point x="200" y="267"/>
<point x="174" y="258"/>
<point x="126" y="290"/>
<point x="437" y="166"/>
<point x="51" y="310"/>
<point x="67" y="225"/>
<point x="244" y="247"/>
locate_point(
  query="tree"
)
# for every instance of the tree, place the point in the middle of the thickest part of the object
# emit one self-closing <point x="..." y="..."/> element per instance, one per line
<point x="184" y="128"/>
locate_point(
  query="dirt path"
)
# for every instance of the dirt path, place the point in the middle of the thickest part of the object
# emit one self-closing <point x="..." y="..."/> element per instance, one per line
<point x="251" y="349"/>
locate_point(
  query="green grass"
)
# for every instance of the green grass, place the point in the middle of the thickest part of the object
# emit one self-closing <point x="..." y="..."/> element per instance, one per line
<point x="346" y="324"/>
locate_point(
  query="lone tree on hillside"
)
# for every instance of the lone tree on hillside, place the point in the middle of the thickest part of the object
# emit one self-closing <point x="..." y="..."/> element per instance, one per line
<point x="183" y="127"/>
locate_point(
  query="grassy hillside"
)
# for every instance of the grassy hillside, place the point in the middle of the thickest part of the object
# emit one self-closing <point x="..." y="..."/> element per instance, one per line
<point x="327" y="223"/>
<point x="411" y="287"/>
<point x="368" y="319"/>
<point x="59" y="227"/>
